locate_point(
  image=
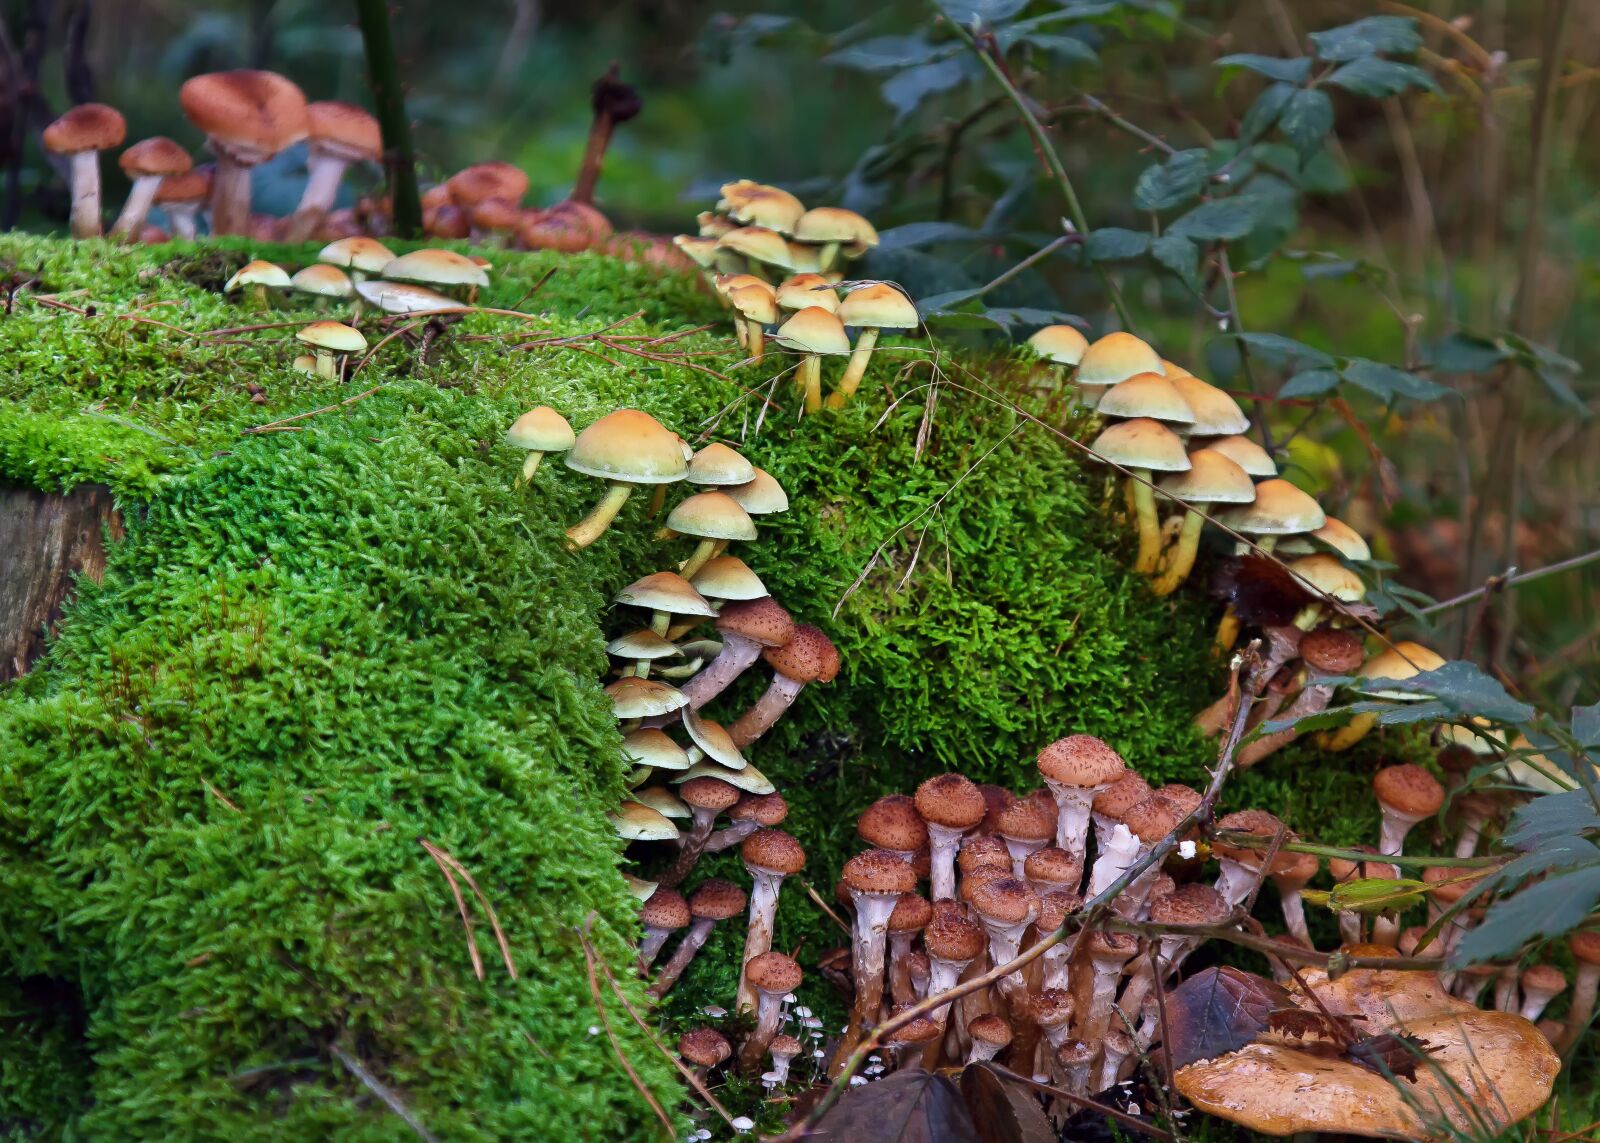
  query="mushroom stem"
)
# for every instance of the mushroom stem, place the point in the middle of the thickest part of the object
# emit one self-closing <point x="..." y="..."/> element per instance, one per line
<point x="1347" y="735"/>
<point x="531" y="465"/>
<point x="1227" y="631"/>
<point x="737" y="654"/>
<point x="759" y="719"/>
<point x="729" y="836"/>
<point x="703" y="551"/>
<point x="768" y="1011"/>
<point x="593" y="526"/>
<point x="811" y="382"/>
<point x="1073" y="807"/>
<point x="699" y="930"/>
<point x="1144" y="507"/>
<point x="741" y="332"/>
<point x="182" y="217"/>
<point x="758" y="934"/>
<point x="755" y="340"/>
<point x="325" y="365"/>
<point x="323" y="174"/>
<point x="1585" y="988"/>
<point x="826" y="256"/>
<point x="137" y="208"/>
<point x="901" y="990"/>
<point x="230" y="197"/>
<point x="650" y="947"/>
<point x="694" y="843"/>
<point x="868" y="940"/>
<point x="1312" y="700"/>
<point x="943" y="842"/>
<point x="856" y="370"/>
<point x="1181" y="561"/>
<point x="84" y="170"/>
<point x="1114" y="859"/>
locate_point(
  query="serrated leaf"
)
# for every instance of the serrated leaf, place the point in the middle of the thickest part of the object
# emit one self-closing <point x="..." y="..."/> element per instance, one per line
<point x="1222" y="219"/>
<point x="1276" y="347"/>
<point x="915" y="234"/>
<point x="1553" y="853"/>
<point x="1547" y="908"/>
<point x="1265" y="112"/>
<point x="1373" y="35"/>
<point x="1217" y="1011"/>
<point x="1311" y="383"/>
<point x="888" y="53"/>
<point x="1003" y="1107"/>
<point x="1379" y="78"/>
<point x="1179" y="255"/>
<point x="910" y="1106"/>
<point x="1295" y="71"/>
<point x="1173" y="182"/>
<point x="1306" y="119"/>
<point x="905" y="90"/>
<point x="1111" y="244"/>
<point x="1551" y="815"/>
<point x="1388" y="383"/>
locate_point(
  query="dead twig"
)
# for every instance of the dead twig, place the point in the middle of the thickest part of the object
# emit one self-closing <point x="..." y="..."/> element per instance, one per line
<point x="461" y="906"/>
<point x="384" y="1093"/>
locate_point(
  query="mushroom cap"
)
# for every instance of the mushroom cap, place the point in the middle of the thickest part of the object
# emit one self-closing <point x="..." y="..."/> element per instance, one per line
<point x="638" y="887"/>
<point x="654" y="748"/>
<point x="717" y="900"/>
<point x="1121" y="796"/>
<point x="1191" y="904"/>
<point x="1053" y="866"/>
<point x="950" y="800"/>
<point x="541" y="429"/>
<point x="473" y="184"/>
<point x="712" y="516"/>
<point x="881" y="872"/>
<point x="1081" y="760"/>
<point x="1248" y="455"/>
<point x="952" y="935"/>
<point x="1279" y="509"/>
<point x="912" y="913"/>
<point x="665" y="909"/>
<point x="1151" y="820"/>
<point x="642" y="644"/>
<point x="702" y="251"/>
<point x="726" y="283"/>
<point x="156" y="155"/>
<point x="1183" y="799"/>
<point x="802" y="291"/>
<point x="809" y="656"/>
<point x="334" y="336"/>
<point x="1215" y="412"/>
<point x="1545" y="979"/>
<point x="762" y="620"/>
<point x="983" y="851"/>
<point x="748" y="779"/>
<point x="773" y="972"/>
<point x="1332" y="650"/>
<point x="635" y="821"/>
<point x="1005" y="900"/>
<point x="1052" y="1007"/>
<point x="1336" y="534"/>
<point x="805" y="259"/>
<point x="86" y="127"/>
<point x="995" y="801"/>
<point x="918" y="1030"/>
<point x="405" y="297"/>
<point x="570" y="227"/>
<point x="1141" y="443"/>
<point x="644" y="698"/>
<point x="760" y="204"/>
<point x="665" y="591"/>
<point x="784" y="1047"/>
<point x="345" y="130"/>
<point x="1116" y="357"/>
<point x="1404" y="660"/>
<point x="713" y="740"/>
<point x="322" y="280"/>
<point x="1585" y="946"/>
<point x="835" y="224"/>
<point x="708" y="794"/>
<point x="495" y="214"/>
<point x="1027" y="820"/>
<point x="892" y="822"/>
<point x="728" y="577"/>
<point x="1062" y="344"/>
<point x="1257" y="823"/>
<point x="1292" y="871"/>
<point x="1408" y="789"/>
<point x="718" y="464"/>
<point x="1323" y="574"/>
<point x="765" y="810"/>
<point x="762" y="496"/>
<point x="1115" y="948"/>
<point x="814" y="330"/>
<point x="246" y="115"/>
<point x="989" y="1029"/>
<point x="879" y="306"/>
<point x="754" y="303"/>
<point x="1211" y="479"/>
<point x="436" y="268"/>
<point x="1055" y="907"/>
<point x="773" y="850"/>
<point x="629" y="446"/>
<point x="1146" y="395"/>
<point x="758" y="243"/>
<point x="191" y="187"/>
<point x="1076" y="1053"/>
<point x="704" y="1047"/>
<point x="258" y="273"/>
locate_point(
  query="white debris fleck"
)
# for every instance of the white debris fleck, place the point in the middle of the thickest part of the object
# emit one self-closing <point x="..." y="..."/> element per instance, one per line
<point x="594" y="1029"/>
<point x="1186" y="850"/>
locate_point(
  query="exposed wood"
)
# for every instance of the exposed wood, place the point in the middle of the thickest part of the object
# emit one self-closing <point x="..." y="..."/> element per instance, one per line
<point x="47" y="540"/>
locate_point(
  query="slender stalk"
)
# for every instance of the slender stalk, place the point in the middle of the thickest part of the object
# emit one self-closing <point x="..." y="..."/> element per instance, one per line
<point x="1513" y="579"/>
<point x="388" y="97"/>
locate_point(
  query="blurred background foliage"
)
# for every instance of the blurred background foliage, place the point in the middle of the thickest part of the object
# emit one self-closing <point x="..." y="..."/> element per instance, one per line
<point x="1417" y="231"/>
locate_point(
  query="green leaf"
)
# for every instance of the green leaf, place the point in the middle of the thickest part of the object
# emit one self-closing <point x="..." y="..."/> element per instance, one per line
<point x="1221" y="219"/>
<point x="906" y="90"/>
<point x="1381" y="78"/>
<point x="1111" y="244"/>
<point x="1295" y="71"/>
<point x="969" y="12"/>
<point x="1388" y="383"/>
<point x="1559" y="852"/>
<point x="1179" y="255"/>
<point x="1465" y="353"/>
<point x="1552" y="815"/>
<point x="1265" y="111"/>
<point x="1463" y="689"/>
<point x="1173" y="182"/>
<point x="888" y="53"/>
<point x="1306" y="120"/>
<point x="1374" y="35"/>
<point x="1276" y="347"/>
<point x="1548" y="908"/>
<point x="1311" y="383"/>
<point x="1586" y="725"/>
<point x="1560" y="390"/>
<point x="1061" y="45"/>
<point x="915" y="234"/>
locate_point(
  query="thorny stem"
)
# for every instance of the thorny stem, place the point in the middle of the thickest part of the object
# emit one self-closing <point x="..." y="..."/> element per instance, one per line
<point x="1512" y="579"/>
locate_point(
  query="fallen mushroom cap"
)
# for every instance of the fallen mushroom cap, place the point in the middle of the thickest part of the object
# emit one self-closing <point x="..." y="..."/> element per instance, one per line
<point x="86" y="127"/>
<point x="333" y="336"/>
<point x="1116" y="357"/>
<point x="436" y="268"/>
<point x="541" y="429"/>
<point x="1141" y="443"/>
<point x="1062" y="344"/>
<point x="405" y="297"/>
<point x="247" y="115"/>
<point x="1278" y="509"/>
<point x="644" y="698"/>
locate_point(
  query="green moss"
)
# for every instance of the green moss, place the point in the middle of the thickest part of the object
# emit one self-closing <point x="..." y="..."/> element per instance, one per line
<point x="317" y="646"/>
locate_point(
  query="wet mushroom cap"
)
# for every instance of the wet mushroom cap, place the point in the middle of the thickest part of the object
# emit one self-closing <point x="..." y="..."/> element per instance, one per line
<point x="1062" y="344"/>
<point x="155" y="156"/>
<point x="814" y="330"/>
<point x="762" y="620"/>
<point x="644" y="698"/>
<point x="629" y="446"/>
<point x="541" y="429"/>
<point x="704" y="1047"/>
<point x="1332" y="650"/>
<point x="728" y="577"/>
<point x="1278" y="509"/>
<point x="1408" y="789"/>
<point x="1323" y="574"/>
<point x="482" y="181"/>
<point x="880" y="306"/>
<point x="718" y="464"/>
<point x="333" y="336"/>
<point x="665" y="591"/>
<point x="665" y="909"/>
<point x="1246" y="454"/>
<point x="774" y="850"/>
<point x="912" y="913"/>
<point x="1005" y="900"/>
<point x="1141" y="443"/>
<point x="773" y="972"/>
<point x="762" y="496"/>
<point x="247" y="115"/>
<point x="1146" y="395"/>
<point x="1215" y="412"/>
<point x="86" y="127"/>
<point x="712" y="516"/>
<point x="1211" y="479"/>
<point x="952" y="801"/>
<point x="1081" y="760"/>
<point x="989" y="1029"/>
<point x="1116" y="357"/>
<point x="809" y="656"/>
<point x="345" y="130"/>
<point x="436" y="268"/>
<point x="879" y="871"/>
<point x="367" y="255"/>
<point x="1404" y="660"/>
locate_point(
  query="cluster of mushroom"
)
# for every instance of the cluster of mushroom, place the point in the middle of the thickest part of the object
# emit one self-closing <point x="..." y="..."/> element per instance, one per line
<point x="362" y="269"/>
<point x="762" y="234"/>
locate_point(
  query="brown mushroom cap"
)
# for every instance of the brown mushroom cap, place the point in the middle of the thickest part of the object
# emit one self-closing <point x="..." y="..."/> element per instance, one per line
<point x="983" y="853"/>
<point x="1248" y="455"/>
<point x="1006" y="901"/>
<point x="717" y="900"/>
<point x="1332" y="650"/>
<point x="1278" y="509"/>
<point x="247" y="115"/>
<point x="1052" y="1007"/>
<point x="1121" y="796"/>
<point x="912" y="913"/>
<point x="709" y="794"/>
<point x="1585" y="946"/>
<point x="157" y="155"/>
<point x="950" y="800"/>
<point x="86" y="127"/>
<point x="1055" y="907"/>
<point x="773" y="972"/>
<point x="718" y="464"/>
<point x="1215" y="412"/>
<point x="1184" y="800"/>
<point x="879" y="871"/>
<point x="487" y="180"/>
<point x="774" y="850"/>
<point x="1409" y="790"/>
<point x="1053" y="866"/>
<point x="728" y="577"/>
<point x="763" y="809"/>
<point x="1061" y="344"/>
<point x="1192" y="904"/>
<point x="1028" y="820"/>
<point x="1258" y="823"/>
<point x="665" y="591"/>
<point x="1146" y="395"/>
<point x="1116" y="357"/>
<point x="1151" y="820"/>
<point x="892" y="822"/>
<point x="989" y="1029"/>
<point x="1114" y="947"/>
<point x="809" y="656"/>
<point x="193" y="187"/>
<point x="345" y="130"/>
<point x="704" y="1047"/>
<point x="953" y="936"/>
<point x="665" y="909"/>
<point x="762" y="496"/>
<point x="1081" y="760"/>
<point x="762" y="620"/>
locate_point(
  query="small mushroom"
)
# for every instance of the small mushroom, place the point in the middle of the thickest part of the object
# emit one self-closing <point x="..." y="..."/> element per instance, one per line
<point x="750" y="813"/>
<point x="181" y="198"/>
<point x="1541" y="984"/>
<point x="758" y="245"/>
<point x="757" y="308"/>
<point x="747" y="629"/>
<point x="539" y="430"/>
<point x="322" y="281"/>
<point x="1062" y="346"/>
<point x="257" y="278"/>
<point x="875" y="880"/>
<point x="80" y="135"/>
<point x="328" y="339"/>
<point x="1142" y="446"/>
<point x="907" y="1042"/>
<point x="1027" y="826"/>
<point x="1077" y="768"/>
<point x="808" y="657"/>
<point x="360" y="255"/>
<point x="442" y="268"/>
<point x="247" y="117"/>
<point x="1406" y="795"/>
<point x="712" y="901"/>
<point x="1006" y="907"/>
<point x="773" y="976"/>
<point x="663" y="914"/>
<point x="337" y="134"/>
<point x="769" y="855"/>
<point x="1585" y="947"/>
<point x="1216" y="413"/>
<point x="1242" y="865"/>
<point x="1404" y="660"/>
<point x="783" y="1050"/>
<point x="1113" y="358"/>
<point x="146" y="164"/>
<point x="704" y="1049"/>
<point x="953" y="941"/>
<point x="990" y="1035"/>
<point x="835" y="230"/>
<point x="1191" y="904"/>
<point x="706" y="798"/>
<point x="664" y="594"/>
<point x="871" y="309"/>
<point x="892" y="823"/>
<point x="951" y="806"/>
<point x="713" y="518"/>
<point x="627" y="448"/>
<point x="1211" y="479"/>
<point x="1111" y="805"/>
<point x="815" y="333"/>
<point x="1052" y="869"/>
<point x="1073" y="1061"/>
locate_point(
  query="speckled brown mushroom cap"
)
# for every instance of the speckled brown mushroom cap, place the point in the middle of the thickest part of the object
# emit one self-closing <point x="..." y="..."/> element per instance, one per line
<point x="86" y="127"/>
<point x="487" y="180"/>
<point x="982" y="852"/>
<point x="717" y="900"/>
<point x="1257" y="823"/>
<point x="653" y="748"/>
<point x="892" y="822"/>
<point x="247" y="115"/>
<point x="704" y="1047"/>
<point x="912" y="913"/>
<point x="1332" y="650"/>
<point x="157" y="155"/>
<point x="773" y="850"/>
<point x="1342" y="869"/>
<point x="1184" y="800"/>
<point x="1191" y="904"/>
<point x="773" y="972"/>
<point x="709" y="793"/>
<point x="1150" y="820"/>
<point x="1111" y="947"/>
<point x="1055" y="907"/>
<point x="1081" y="760"/>
<point x="1279" y="509"/>
<point x="763" y="809"/>
<point x="717" y="464"/>
<point x="345" y="130"/>
<point x="989" y="1029"/>
<point x="950" y="800"/>
<point x="643" y="698"/>
<point x="762" y="496"/>
<point x="1052" y="1007"/>
<point x="762" y="620"/>
<point x="953" y="936"/>
<point x="1212" y="479"/>
<point x="809" y="656"/>
<point x="1061" y="344"/>
<point x="1053" y="866"/>
<point x="785" y="1047"/>
<point x="1006" y="901"/>
<point x="1146" y="395"/>
<point x="1027" y="820"/>
<point x="665" y="591"/>
<point x="728" y="577"/>
<point x="666" y="909"/>
<point x="1121" y="796"/>
<point x="1585" y="945"/>
<point x="1408" y="790"/>
<point x="995" y="800"/>
<point x="878" y="871"/>
<point x="712" y="516"/>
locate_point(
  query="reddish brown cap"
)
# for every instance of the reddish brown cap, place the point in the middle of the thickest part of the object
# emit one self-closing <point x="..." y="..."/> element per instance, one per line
<point x="193" y="187"/>
<point x="773" y="850"/>
<point x="996" y="799"/>
<point x="1081" y="760"/>
<point x="1333" y="650"/>
<point x="950" y="800"/>
<point x="1121" y="796"/>
<point x="1585" y="945"/>
<point x="1184" y="800"/>
<point x="87" y="127"/>
<point x="708" y="793"/>
<point x="892" y="822"/>
<point x="345" y="130"/>
<point x="1151" y="820"/>
<point x="1291" y="871"/>
<point x="981" y="876"/>
<point x="1545" y="979"/>
<point x="1446" y="884"/>
<point x="1006" y="901"/>
<point x="1408" y="790"/>
<point x="762" y="620"/>
<point x="1257" y="823"/>
<point x="1115" y="947"/>
<point x="666" y="909"/>
<point x="919" y="1030"/>
<point x="809" y="656"/>
<point x="247" y="115"/>
<point x="989" y="1029"/>
<point x="704" y="1047"/>
<point x="763" y="809"/>
<point x="1027" y="821"/>
<point x="487" y="180"/>
<point x="1055" y="907"/>
<point x="1053" y="866"/>
<point x="952" y="935"/>
<point x="717" y="900"/>
<point x="1052" y="1007"/>
<point x="912" y="913"/>
<point x="983" y="852"/>
<point x="879" y="871"/>
<point x="773" y="972"/>
<point x="157" y="155"/>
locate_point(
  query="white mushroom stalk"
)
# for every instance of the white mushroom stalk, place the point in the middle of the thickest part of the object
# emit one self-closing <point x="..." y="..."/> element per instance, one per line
<point x="693" y="940"/>
<point x="770" y="856"/>
<point x="1115" y="1050"/>
<point x="1108" y="952"/>
<point x="738" y="654"/>
<point x="1116" y="858"/>
<point x="943" y="845"/>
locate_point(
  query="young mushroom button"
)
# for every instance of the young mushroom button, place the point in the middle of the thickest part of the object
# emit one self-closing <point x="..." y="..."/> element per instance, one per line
<point x="328" y="339"/>
<point x="1076" y="769"/>
<point x="808" y="657"/>
<point x="627" y="448"/>
<point x="80" y="135"/>
<point x="539" y="430"/>
<point x="664" y="913"/>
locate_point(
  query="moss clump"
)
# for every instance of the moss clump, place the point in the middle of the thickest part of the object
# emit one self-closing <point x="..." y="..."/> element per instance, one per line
<point x="317" y="646"/>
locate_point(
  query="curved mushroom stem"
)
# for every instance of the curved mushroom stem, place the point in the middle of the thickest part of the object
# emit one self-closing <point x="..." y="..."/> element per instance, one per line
<point x="856" y="370"/>
<point x="810" y="378"/>
<point x="768" y="1012"/>
<point x="650" y="947"/>
<point x="699" y="930"/>
<point x="323" y="175"/>
<point x="729" y="836"/>
<point x="758" y="934"/>
<point x="531" y="465"/>
<point x="694" y="844"/>
<point x="84" y="169"/>
<point x="756" y="721"/>
<point x="1347" y="735"/>
<point x="230" y="196"/>
<point x="593" y="526"/>
<point x="1144" y="507"/>
<point x="1181" y="561"/>
<point x="137" y="208"/>
<point x="827" y="255"/>
<point x="1073" y="808"/>
<point x="755" y="339"/>
<point x="703" y="551"/>
<point x="1227" y="631"/>
<point x="737" y="654"/>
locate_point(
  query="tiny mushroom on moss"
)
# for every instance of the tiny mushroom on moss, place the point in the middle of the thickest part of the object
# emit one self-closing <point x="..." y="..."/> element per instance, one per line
<point x="539" y="430"/>
<point x="256" y="278"/>
<point x="1211" y="479"/>
<point x="332" y="341"/>
<point x="757" y="307"/>
<point x="1143" y="446"/>
<point x="772" y="976"/>
<point x="627" y="449"/>
<point x="815" y="333"/>
<point x="714" y="518"/>
<point x="870" y="309"/>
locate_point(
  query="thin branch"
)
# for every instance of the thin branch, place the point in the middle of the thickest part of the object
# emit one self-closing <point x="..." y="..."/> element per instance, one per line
<point x="1512" y="578"/>
<point x="390" y="1100"/>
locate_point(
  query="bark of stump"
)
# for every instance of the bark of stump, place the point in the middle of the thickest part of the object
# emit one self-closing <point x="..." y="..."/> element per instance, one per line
<point x="47" y="540"/>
